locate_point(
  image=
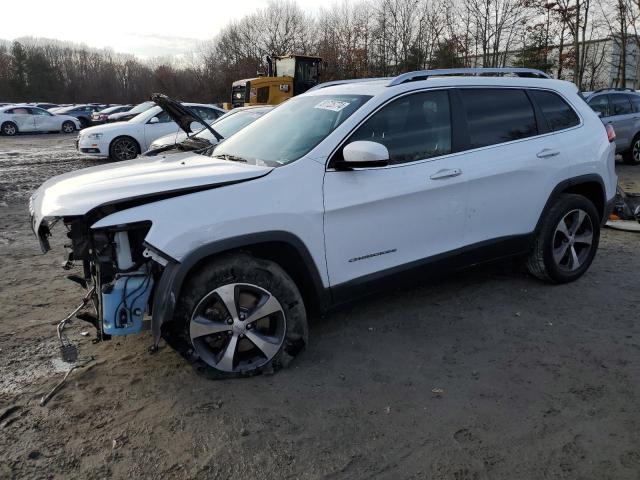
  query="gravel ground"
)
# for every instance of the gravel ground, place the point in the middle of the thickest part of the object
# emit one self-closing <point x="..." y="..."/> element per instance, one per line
<point x="488" y="374"/>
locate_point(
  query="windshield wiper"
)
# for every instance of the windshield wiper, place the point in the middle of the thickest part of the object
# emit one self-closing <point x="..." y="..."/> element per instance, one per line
<point x="232" y="158"/>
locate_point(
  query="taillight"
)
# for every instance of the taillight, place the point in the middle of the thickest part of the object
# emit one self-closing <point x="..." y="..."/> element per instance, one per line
<point x="611" y="133"/>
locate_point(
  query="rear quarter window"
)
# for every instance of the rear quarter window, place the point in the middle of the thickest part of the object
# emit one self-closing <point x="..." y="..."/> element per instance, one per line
<point x="556" y="111"/>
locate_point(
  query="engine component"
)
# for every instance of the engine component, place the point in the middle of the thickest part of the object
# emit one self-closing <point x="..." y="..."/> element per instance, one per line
<point x="124" y="303"/>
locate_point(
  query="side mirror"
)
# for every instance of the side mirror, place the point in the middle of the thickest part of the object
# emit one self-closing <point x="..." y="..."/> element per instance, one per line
<point x="154" y="120"/>
<point x="599" y="114"/>
<point x="362" y="154"/>
<point x="196" y="126"/>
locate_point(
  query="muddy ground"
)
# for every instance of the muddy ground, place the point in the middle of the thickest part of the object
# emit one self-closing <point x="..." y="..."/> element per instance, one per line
<point x="488" y="374"/>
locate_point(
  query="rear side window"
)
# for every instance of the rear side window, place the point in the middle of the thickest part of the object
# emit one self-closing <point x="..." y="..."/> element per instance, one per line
<point x="556" y="111"/>
<point x="635" y="101"/>
<point x="498" y="115"/>
<point x="620" y="104"/>
<point x="413" y="127"/>
<point x="600" y="104"/>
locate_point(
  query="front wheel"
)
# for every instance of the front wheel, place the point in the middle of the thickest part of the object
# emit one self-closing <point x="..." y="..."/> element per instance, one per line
<point x="68" y="127"/>
<point x="632" y="157"/>
<point x="124" y="148"/>
<point x="239" y="316"/>
<point x="567" y="240"/>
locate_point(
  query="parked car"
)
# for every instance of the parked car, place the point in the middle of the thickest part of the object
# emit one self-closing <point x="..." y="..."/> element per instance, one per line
<point x="100" y="117"/>
<point x="126" y="140"/>
<point x="224" y="127"/>
<point x="46" y="106"/>
<point x="349" y="188"/>
<point x="21" y="119"/>
<point x="81" y="112"/>
<point x="4" y="104"/>
<point x="620" y="107"/>
<point x="125" y="116"/>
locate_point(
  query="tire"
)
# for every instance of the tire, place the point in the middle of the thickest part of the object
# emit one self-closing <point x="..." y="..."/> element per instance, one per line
<point x="561" y="251"/>
<point x="251" y="343"/>
<point x="632" y="156"/>
<point x="124" y="148"/>
<point x="9" y="129"/>
<point x="68" y="127"/>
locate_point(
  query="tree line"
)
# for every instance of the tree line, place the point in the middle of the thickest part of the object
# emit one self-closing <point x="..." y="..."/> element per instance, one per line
<point x="358" y="38"/>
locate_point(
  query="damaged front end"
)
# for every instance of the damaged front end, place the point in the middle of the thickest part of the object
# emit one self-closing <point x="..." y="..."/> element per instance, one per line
<point x="118" y="272"/>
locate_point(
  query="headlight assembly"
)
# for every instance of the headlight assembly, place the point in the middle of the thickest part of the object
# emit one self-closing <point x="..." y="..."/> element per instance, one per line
<point x="94" y="136"/>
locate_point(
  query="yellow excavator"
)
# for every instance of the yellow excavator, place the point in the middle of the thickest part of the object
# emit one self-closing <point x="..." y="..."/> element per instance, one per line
<point x="287" y="76"/>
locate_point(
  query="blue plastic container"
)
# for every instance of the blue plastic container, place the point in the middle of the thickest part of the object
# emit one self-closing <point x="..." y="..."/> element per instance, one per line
<point x="123" y="308"/>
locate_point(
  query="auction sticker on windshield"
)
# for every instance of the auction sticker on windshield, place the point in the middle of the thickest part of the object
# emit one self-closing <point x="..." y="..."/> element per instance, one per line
<point x="333" y="105"/>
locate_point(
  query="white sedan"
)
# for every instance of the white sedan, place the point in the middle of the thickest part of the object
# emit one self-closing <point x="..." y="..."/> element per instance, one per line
<point x="22" y="118"/>
<point x="126" y="140"/>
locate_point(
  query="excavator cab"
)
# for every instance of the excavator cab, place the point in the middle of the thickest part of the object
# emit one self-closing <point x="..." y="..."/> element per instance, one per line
<point x="287" y="76"/>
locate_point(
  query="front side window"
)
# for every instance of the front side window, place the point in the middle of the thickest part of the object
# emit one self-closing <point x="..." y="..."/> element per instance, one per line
<point x="414" y="127"/>
<point x="163" y="117"/>
<point x="291" y="130"/>
<point x="620" y="104"/>
<point x="497" y="115"/>
<point x="39" y="111"/>
<point x="557" y="112"/>
<point x="635" y="102"/>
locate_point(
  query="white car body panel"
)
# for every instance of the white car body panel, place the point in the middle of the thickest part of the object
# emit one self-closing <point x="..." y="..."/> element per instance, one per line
<point x="76" y="193"/>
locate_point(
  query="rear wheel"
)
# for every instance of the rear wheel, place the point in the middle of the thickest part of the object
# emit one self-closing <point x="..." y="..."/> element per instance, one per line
<point x="68" y="127"/>
<point x="9" y="128"/>
<point x="124" y="148"/>
<point x="632" y="157"/>
<point x="239" y="316"/>
<point x="567" y="241"/>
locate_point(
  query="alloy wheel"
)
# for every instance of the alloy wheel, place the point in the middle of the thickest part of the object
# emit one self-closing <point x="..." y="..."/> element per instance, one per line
<point x="9" y="129"/>
<point x="636" y="151"/>
<point x="237" y="327"/>
<point x="572" y="240"/>
<point x="125" y="150"/>
<point x="68" y="128"/>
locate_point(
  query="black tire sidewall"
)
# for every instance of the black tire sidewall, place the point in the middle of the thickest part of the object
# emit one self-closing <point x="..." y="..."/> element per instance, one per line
<point x="628" y="155"/>
<point x="564" y="205"/>
<point x="240" y="269"/>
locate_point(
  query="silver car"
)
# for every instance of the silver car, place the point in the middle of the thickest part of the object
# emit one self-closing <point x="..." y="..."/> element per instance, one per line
<point x="620" y="107"/>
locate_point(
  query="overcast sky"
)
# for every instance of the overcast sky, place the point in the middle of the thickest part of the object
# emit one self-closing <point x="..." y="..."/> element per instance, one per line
<point x="145" y="28"/>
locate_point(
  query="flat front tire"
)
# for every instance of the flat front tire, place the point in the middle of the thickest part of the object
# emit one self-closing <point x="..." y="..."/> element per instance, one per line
<point x="567" y="240"/>
<point x="238" y="316"/>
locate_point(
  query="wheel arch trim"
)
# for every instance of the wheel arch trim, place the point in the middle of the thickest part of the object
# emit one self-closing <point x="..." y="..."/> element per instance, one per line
<point x="175" y="272"/>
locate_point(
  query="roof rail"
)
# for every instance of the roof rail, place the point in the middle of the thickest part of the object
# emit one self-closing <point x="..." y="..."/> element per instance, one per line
<point x="342" y="82"/>
<point x="424" y="74"/>
<point x="615" y="89"/>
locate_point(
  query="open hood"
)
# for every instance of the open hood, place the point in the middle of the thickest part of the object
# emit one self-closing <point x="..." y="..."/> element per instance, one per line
<point x="180" y="114"/>
<point x="143" y="179"/>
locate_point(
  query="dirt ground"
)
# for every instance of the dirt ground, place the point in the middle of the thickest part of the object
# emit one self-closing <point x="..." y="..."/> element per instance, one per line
<point x="488" y="374"/>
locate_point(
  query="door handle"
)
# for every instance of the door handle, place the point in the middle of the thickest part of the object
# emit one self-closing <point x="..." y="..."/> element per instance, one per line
<point x="446" y="173"/>
<point x="547" y="153"/>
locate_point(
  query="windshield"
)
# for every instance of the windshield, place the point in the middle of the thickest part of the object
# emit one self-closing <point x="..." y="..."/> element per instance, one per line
<point x="292" y="129"/>
<point x="232" y="123"/>
<point x="142" y="107"/>
<point x="286" y="67"/>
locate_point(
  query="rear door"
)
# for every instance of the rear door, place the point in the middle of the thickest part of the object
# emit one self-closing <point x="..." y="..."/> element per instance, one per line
<point x="513" y="165"/>
<point x="622" y="117"/>
<point x="380" y="219"/>
<point x="23" y="118"/>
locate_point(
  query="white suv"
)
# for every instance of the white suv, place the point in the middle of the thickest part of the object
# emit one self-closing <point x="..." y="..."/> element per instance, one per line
<point x="332" y="195"/>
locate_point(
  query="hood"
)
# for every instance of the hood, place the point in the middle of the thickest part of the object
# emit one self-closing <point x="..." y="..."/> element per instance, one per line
<point x="180" y="114"/>
<point x="76" y="193"/>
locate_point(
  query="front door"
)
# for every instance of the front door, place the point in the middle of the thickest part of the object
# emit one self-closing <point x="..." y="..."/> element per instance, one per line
<point x="45" y="121"/>
<point x="153" y="130"/>
<point x="378" y="219"/>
